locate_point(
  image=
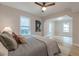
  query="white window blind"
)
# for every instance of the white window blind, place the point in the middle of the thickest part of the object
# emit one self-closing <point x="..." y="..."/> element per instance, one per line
<point x="25" y="25"/>
<point x="66" y="27"/>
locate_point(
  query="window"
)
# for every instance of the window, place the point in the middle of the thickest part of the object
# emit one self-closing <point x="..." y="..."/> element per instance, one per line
<point x="50" y="29"/>
<point x="24" y="26"/>
<point x="66" y="27"/>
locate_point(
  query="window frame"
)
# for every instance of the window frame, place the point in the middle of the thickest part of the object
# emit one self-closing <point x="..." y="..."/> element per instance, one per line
<point x="29" y="27"/>
<point x="66" y="27"/>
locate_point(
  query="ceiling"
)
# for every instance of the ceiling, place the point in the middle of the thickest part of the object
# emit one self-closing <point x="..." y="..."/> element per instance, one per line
<point x="32" y="8"/>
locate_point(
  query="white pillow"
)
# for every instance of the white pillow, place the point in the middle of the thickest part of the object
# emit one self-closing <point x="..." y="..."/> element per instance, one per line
<point x="3" y="50"/>
<point x="7" y="29"/>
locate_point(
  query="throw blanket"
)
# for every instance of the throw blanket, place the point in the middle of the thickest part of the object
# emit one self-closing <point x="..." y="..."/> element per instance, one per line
<point x="33" y="47"/>
<point x="36" y="47"/>
<point x="51" y="44"/>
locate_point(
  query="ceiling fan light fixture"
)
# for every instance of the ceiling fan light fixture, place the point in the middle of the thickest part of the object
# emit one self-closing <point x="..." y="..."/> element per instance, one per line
<point x="43" y="8"/>
<point x="44" y="5"/>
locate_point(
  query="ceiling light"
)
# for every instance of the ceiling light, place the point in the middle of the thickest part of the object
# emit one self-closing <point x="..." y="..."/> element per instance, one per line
<point x="43" y="8"/>
<point x="44" y="5"/>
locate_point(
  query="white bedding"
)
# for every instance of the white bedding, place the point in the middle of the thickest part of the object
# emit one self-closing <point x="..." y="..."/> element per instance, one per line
<point x="51" y="44"/>
<point x="37" y="46"/>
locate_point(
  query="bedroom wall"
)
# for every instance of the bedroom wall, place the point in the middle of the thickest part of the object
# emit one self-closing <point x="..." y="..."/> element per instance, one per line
<point x="10" y="17"/>
<point x="46" y="29"/>
<point x="59" y="28"/>
<point x="75" y="21"/>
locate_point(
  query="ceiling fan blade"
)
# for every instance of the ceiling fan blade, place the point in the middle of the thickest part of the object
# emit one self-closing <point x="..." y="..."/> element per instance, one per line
<point x="38" y="4"/>
<point x="50" y="4"/>
<point x="44" y="3"/>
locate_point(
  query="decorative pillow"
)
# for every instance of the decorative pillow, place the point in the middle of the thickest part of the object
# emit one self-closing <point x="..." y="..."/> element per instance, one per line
<point x="22" y="40"/>
<point x="19" y="39"/>
<point x="7" y="29"/>
<point x="16" y="37"/>
<point x="3" y="41"/>
<point x="3" y="50"/>
<point x="11" y="44"/>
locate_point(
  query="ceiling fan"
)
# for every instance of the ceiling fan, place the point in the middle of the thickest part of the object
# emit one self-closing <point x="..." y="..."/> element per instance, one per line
<point x="44" y="5"/>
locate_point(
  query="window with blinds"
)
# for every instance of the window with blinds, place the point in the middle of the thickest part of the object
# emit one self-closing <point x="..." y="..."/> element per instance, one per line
<point x="25" y="26"/>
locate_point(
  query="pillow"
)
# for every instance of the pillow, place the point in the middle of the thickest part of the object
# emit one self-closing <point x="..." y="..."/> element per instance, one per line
<point x="7" y="29"/>
<point x="22" y="40"/>
<point x="19" y="39"/>
<point x="3" y="50"/>
<point x="3" y="41"/>
<point x="16" y="37"/>
<point x="11" y="44"/>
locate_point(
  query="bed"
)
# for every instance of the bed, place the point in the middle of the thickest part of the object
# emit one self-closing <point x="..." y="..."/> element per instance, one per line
<point x="34" y="46"/>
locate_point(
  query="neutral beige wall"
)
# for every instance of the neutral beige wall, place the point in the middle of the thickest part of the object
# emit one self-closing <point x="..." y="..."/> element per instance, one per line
<point x="11" y="17"/>
<point x="75" y="21"/>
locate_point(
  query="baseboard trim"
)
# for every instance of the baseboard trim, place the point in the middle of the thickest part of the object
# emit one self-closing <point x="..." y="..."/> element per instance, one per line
<point x="77" y="45"/>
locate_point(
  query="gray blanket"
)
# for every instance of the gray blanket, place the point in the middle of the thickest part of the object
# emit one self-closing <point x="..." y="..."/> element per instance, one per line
<point x="33" y="47"/>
